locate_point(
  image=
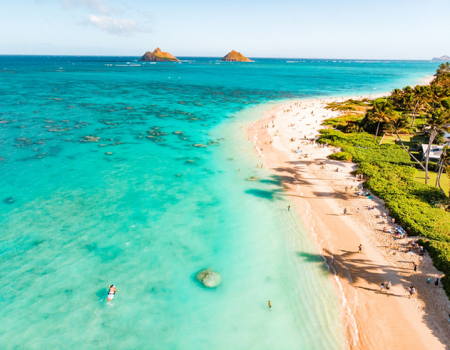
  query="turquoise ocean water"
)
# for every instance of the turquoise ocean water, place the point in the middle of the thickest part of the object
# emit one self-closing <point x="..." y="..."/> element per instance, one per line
<point x="156" y="211"/>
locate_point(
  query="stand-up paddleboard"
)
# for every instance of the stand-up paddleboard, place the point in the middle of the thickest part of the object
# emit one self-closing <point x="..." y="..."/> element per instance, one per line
<point x="111" y="292"/>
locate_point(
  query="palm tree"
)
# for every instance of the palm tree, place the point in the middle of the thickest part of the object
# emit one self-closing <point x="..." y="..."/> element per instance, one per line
<point x="444" y="163"/>
<point x="442" y="75"/>
<point x="437" y="120"/>
<point x="382" y="111"/>
<point x="398" y="122"/>
<point x="422" y="96"/>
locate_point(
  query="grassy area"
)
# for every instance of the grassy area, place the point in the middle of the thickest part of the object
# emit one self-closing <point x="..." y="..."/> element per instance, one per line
<point x="445" y="181"/>
<point x="408" y="140"/>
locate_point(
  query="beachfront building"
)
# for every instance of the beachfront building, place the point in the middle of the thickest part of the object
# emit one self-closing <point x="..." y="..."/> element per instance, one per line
<point x="435" y="152"/>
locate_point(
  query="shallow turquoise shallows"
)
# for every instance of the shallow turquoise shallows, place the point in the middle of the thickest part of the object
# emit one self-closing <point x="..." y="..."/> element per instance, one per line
<point x="145" y="209"/>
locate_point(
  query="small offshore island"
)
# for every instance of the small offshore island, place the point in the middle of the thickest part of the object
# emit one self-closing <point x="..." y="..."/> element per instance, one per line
<point x="442" y="58"/>
<point x="158" y="56"/>
<point x="234" y="56"/>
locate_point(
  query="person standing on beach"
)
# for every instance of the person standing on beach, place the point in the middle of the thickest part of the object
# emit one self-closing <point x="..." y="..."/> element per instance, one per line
<point x="360" y="248"/>
<point x="345" y="211"/>
<point x="381" y="286"/>
<point x="436" y="282"/>
<point x="388" y="287"/>
<point x="415" y="267"/>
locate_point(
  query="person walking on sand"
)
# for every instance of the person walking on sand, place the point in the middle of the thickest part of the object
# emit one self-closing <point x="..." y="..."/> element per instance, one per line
<point x="360" y="248"/>
<point x="415" y="267"/>
<point x="381" y="286"/>
<point x="269" y="304"/>
<point x="388" y="287"/>
<point x="436" y="282"/>
<point x="345" y="211"/>
<point x="412" y="291"/>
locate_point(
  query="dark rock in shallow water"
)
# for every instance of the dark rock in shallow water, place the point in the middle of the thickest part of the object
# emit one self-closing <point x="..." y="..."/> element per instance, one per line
<point x="209" y="278"/>
<point x="10" y="200"/>
<point x="90" y="139"/>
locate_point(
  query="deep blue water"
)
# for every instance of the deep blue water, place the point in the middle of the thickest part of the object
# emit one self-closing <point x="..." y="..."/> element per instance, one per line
<point x="156" y="209"/>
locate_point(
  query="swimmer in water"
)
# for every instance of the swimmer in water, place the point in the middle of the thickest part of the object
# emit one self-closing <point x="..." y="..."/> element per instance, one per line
<point x="112" y="291"/>
<point x="269" y="304"/>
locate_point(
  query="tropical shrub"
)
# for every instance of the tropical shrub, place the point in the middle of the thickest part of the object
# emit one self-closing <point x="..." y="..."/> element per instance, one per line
<point x="341" y="156"/>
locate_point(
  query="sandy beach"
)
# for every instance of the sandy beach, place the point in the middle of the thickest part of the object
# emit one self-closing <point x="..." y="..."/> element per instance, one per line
<point x="321" y="188"/>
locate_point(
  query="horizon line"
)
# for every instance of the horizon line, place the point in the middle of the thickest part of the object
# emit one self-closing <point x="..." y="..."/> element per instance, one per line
<point x="220" y="57"/>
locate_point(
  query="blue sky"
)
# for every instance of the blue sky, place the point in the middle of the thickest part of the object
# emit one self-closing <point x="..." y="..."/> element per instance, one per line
<point x="365" y="29"/>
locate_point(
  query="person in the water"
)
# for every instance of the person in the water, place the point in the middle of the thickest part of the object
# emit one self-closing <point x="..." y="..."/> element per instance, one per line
<point x="269" y="304"/>
<point x="112" y="291"/>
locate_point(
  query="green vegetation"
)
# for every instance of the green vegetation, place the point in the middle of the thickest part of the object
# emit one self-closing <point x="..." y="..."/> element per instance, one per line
<point x="362" y="147"/>
<point x="341" y="156"/>
<point x="341" y="123"/>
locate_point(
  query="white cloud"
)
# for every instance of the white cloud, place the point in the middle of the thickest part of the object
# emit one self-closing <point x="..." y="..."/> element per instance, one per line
<point x="99" y="6"/>
<point x="121" y="27"/>
<point x="104" y="20"/>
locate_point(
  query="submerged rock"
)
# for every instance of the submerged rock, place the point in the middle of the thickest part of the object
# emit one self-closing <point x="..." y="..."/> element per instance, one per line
<point x="108" y="153"/>
<point x="10" y="200"/>
<point x="253" y="178"/>
<point x="178" y="132"/>
<point x="90" y="139"/>
<point x="200" y="145"/>
<point x="209" y="278"/>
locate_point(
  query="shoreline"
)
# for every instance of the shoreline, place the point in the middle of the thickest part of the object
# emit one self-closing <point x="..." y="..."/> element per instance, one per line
<point x="318" y="200"/>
